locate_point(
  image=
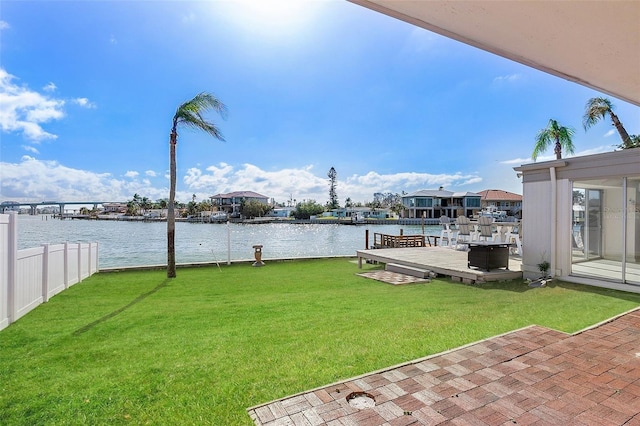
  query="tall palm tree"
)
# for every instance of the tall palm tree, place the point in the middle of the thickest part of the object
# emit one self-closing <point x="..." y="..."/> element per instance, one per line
<point x="188" y="114"/>
<point x="596" y="109"/>
<point x="562" y="136"/>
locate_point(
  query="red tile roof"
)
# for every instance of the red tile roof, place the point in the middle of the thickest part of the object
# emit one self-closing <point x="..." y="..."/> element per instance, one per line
<point x="499" y="195"/>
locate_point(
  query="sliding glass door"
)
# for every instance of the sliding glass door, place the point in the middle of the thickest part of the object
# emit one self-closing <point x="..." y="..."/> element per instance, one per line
<point x="606" y="229"/>
<point x="587" y="223"/>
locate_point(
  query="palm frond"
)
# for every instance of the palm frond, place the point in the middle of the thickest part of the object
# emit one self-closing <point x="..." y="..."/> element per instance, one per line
<point x="190" y="114"/>
<point x="595" y="110"/>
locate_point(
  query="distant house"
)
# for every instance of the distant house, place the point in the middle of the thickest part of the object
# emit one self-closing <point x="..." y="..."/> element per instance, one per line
<point x="281" y="212"/>
<point x="114" y="208"/>
<point x="501" y="200"/>
<point x="582" y="215"/>
<point x="362" y="213"/>
<point x="434" y="203"/>
<point x="230" y="203"/>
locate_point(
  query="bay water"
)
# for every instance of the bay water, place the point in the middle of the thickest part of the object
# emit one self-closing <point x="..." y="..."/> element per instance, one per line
<point x="128" y="243"/>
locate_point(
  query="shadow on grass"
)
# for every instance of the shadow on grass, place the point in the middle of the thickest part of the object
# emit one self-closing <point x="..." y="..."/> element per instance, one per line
<point x="619" y="294"/>
<point x="521" y="286"/>
<point x="110" y="315"/>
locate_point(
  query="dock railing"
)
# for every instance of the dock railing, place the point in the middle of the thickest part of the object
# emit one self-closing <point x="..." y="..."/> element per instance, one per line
<point x="397" y="241"/>
<point x="29" y="277"/>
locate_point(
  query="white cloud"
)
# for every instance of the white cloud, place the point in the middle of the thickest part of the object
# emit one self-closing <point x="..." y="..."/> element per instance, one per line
<point x="30" y="148"/>
<point x="4" y="25"/>
<point x="517" y="161"/>
<point x="420" y="41"/>
<point x="510" y="78"/>
<point x="113" y="40"/>
<point x="32" y="179"/>
<point x="84" y="102"/>
<point x="188" y="18"/>
<point x="151" y="173"/>
<point x="610" y="133"/>
<point x="23" y="110"/>
<point x="51" y="87"/>
<point x="302" y="183"/>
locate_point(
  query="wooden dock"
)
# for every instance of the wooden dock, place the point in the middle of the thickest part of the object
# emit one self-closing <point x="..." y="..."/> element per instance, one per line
<point x="442" y="261"/>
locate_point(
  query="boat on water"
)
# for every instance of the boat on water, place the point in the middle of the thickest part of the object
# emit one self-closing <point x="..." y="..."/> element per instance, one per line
<point x="492" y="211"/>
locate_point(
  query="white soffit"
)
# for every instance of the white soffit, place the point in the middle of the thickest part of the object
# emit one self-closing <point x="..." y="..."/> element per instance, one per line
<point x="593" y="43"/>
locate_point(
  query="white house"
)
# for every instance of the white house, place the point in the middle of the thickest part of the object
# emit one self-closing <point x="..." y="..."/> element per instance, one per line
<point x="230" y="203"/>
<point x="582" y="215"/>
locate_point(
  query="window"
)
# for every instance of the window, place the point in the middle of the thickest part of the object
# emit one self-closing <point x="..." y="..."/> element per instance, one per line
<point x="473" y="202"/>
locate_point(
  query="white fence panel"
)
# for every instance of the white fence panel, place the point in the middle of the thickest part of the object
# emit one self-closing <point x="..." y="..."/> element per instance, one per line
<point x="4" y="270"/>
<point x="30" y="277"/>
<point x="94" y="258"/>
<point x="28" y="289"/>
<point x="84" y="259"/>
<point x="55" y="270"/>
<point x="73" y="271"/>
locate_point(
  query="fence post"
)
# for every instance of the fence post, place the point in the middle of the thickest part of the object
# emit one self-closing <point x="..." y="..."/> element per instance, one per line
<point x="79" y="262"/>
<point x="66" y="264"/>
<point x="45" y="273"/>
<point x="12" y="250"/>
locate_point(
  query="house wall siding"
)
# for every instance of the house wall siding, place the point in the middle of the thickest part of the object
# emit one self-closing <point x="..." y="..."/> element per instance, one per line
<point x="544" y="238"/>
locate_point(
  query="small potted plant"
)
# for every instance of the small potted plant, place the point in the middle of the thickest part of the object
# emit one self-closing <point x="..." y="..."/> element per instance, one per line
<point x="544" y="268"/>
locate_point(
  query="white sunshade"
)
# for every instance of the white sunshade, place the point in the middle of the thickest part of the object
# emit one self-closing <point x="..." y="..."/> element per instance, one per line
<point x="593" y="43"/>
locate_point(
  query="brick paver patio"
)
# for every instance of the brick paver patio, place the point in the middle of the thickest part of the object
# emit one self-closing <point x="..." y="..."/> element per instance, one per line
<point x="532" y="376"/>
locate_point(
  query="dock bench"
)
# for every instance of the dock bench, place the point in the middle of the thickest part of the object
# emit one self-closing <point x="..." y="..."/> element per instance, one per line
<point x="397" y="241"/>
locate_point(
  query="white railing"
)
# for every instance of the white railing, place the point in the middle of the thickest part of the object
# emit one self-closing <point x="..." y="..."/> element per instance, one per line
<point x="31" y="276"/>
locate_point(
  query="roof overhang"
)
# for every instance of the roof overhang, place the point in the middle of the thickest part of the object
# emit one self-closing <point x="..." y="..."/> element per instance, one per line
<point x="593" y="43"/>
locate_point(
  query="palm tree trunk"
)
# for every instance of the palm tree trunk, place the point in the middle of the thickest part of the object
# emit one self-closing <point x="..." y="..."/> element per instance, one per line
<point x="558" y="149"/>
<point x="626" y="140"/>
<point x="171" y="215"/>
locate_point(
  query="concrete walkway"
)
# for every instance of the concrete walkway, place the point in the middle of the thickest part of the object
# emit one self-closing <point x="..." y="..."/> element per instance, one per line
<point x="532" y="376"/>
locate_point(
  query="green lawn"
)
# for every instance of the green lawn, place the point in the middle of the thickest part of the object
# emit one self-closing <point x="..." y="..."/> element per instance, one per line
<point x="134" y="348"/>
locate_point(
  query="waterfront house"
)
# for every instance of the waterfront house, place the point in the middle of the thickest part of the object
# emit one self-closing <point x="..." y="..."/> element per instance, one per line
<point x="230" y="203"/>
<point x="582" y="215"/>
<point x="361" y="213"/>
<point x="434" y="203"/>
<point x="281" y="212"/>
<point x="501" y="200"/>
<point x="117" y="208"/>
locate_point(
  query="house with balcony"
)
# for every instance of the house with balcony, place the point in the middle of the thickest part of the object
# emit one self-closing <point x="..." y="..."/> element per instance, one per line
<point x="230" y="203"/>
<point x="502" y="201"/>
<point x="356" y="213"/>
<point x="434" y="203"/>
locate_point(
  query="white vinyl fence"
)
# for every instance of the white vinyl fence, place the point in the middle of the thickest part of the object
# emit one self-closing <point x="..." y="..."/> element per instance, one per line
<point x="31" y="276"/>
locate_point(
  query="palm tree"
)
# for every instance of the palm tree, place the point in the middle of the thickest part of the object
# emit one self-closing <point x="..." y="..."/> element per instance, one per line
<point x="554" y="133"/>
<point x="598" y="108"/>
<point x="188" y="114"/>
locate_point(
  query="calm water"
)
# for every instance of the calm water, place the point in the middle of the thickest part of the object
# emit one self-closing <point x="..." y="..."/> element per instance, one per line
<point x="145" y="243"/>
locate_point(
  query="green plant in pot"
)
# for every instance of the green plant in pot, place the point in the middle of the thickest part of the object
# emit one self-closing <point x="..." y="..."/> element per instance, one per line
<point x="544" y="268"/>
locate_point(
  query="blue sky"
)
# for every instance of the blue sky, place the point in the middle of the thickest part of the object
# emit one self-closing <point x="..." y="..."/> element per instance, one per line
<point x="89" y="88"/>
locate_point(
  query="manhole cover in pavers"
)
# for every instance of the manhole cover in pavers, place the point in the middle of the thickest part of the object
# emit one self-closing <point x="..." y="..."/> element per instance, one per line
<point x="361" y="400"/>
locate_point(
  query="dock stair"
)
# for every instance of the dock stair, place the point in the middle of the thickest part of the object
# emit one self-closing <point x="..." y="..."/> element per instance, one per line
<point x="407" y="270"/>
